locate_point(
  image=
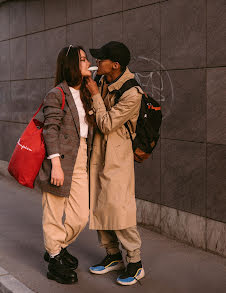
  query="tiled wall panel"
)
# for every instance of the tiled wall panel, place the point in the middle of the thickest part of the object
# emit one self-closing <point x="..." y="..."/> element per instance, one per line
<point x="4" y="21"/>
<point x="216" y="36"/>
<point x="216" y="183"/>
<point x="183" y="169"/>
<point x="183" y="33"/>
<point x="35" y="16"/>
<point x="216" y="105"/>
<point x="141" y="33"/>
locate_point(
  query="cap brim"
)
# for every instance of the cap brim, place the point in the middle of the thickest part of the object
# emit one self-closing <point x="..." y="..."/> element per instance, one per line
<point x="97" y="53"/>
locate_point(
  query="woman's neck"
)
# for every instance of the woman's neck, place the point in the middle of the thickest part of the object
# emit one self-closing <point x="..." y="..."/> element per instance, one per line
<point x="77" y="87"/>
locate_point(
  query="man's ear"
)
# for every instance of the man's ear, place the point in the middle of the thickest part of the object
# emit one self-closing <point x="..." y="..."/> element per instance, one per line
<point x="116" y="65"/>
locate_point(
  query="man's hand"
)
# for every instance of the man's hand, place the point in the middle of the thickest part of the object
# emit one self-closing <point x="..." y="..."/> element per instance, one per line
<point x="57" y="174"/>
<point x="92" y="86"/>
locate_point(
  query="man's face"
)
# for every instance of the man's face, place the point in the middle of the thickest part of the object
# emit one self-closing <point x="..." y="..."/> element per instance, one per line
<point x="104" y="66"/>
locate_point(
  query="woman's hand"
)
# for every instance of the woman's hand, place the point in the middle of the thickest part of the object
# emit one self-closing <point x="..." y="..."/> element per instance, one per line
<point x="92" y="87"/>
<point x="57" y="174"/>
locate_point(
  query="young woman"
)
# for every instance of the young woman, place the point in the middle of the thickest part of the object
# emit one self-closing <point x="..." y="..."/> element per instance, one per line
<point x="63" y="176"/>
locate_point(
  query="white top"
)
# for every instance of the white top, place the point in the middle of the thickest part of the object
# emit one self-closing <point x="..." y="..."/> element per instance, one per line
<point x="81" y="114"/>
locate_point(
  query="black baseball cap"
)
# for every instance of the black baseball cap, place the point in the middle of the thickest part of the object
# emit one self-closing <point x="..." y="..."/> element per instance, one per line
<point x="115" y="51"/>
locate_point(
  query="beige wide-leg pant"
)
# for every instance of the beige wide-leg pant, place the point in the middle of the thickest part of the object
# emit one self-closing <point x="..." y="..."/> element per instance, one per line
<point x="129" y="238"/>
<point x="58" y="233"/>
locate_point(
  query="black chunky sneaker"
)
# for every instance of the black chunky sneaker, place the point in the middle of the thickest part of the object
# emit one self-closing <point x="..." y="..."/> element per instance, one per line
<point x="112" y="262"/>
<point x="59" y="272"/>
<point x="134" y="272"/>
<point x="68" y="259"/>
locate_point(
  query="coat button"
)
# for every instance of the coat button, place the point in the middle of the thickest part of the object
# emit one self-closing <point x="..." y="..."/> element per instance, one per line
<point x="62" y="156"/>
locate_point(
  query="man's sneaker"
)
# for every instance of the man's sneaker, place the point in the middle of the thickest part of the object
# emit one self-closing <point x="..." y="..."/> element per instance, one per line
<point x="68" y="259"/>
<point x="59" y="272"/>
<point x="112" y="262"/>
<point x="133" y="273"/>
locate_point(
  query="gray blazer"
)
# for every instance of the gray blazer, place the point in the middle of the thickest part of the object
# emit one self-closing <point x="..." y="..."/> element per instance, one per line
<point x="61" y="134"/>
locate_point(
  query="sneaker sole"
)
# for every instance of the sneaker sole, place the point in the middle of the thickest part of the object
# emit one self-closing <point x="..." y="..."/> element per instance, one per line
<point x="142" y="274"/>
<point x="61" y="281"/>
<point x="117" y="267"/>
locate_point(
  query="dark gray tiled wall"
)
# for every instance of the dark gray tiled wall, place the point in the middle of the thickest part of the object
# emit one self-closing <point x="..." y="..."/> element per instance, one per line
<point x="35" y="16"/>
<point x="55" y="13"/>
<point x="106" y="29"/>
<point x="216" y="37"/>
<point x="187" y="117"/>
<point x="216" y="183"/>
<point x="17" y="18"/>
<point x="18" y="58"/>
<point x="183" y="169"/>
<point x="36" y="55"/>
<point x="78" y="10"/>
<point x="184" y="37"/>
<point x="216" y="105"/>
<point x="141" y="32"/>
<point x="4" y="22"/>
<point x="4" y="61"/>
<point x="102" y="7"/>
<point x="128" y="4"/>
<point x="183" y="33"/>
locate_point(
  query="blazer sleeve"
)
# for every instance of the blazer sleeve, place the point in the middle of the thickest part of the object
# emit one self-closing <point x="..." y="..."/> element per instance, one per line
<point x="53" y="115"/>
<point x="108" y="121"/>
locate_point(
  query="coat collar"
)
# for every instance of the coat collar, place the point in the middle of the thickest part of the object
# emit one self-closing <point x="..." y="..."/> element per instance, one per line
<point x="71" y="104"/>
<point x="116" y="85"/>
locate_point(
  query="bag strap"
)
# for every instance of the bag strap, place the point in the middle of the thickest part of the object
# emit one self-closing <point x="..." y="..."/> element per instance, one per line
<point x="125" y="87"/>
<point x="62" y="106"/>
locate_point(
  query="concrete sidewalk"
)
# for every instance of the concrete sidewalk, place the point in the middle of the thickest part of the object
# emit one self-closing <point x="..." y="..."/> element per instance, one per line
<point x="170" y="266"/>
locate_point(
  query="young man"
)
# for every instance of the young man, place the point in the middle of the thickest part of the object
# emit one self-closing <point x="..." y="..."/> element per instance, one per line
<point x="112" y="183"/>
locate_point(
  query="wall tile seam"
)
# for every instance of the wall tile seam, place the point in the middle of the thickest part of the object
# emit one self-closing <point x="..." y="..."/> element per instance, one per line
<point x="15" y="122"/>
<point x="145" y="5"/>
<point x="202" y="142"/>
<point x="183" y="140"/>
<point x="181" y="210"/>
<point x="161" y="91"/>
<point x="206" y="174"/>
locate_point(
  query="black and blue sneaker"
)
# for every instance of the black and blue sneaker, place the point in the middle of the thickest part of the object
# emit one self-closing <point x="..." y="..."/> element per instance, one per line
<point x="110" y="263"/>
<point x="133" y="273"/>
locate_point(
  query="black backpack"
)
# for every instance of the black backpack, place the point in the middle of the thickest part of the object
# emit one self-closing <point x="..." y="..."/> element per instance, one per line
<point x="148" y="123"/>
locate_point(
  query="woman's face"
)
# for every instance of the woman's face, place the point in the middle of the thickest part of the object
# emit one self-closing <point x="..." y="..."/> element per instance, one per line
<point x="84" y="64"/>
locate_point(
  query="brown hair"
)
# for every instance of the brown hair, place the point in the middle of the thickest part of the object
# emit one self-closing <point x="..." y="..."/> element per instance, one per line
<point x="68" y="70"/>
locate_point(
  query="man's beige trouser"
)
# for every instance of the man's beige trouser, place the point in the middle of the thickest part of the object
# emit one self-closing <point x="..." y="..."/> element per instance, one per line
<point x="129" y="238"/>
<point x="75" y="209"/>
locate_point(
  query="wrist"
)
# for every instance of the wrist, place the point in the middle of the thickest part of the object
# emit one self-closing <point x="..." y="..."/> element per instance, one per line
<point x="56" y="162"/>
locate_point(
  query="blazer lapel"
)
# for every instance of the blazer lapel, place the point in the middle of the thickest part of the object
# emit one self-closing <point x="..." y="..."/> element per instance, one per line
<point x="71" y="105"/>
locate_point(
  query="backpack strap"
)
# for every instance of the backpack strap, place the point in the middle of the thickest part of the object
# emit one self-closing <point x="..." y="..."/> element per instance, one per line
<point x="125" y="87"/>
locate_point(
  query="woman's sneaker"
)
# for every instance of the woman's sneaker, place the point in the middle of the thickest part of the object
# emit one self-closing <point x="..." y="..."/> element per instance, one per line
<point x="112" y="262"/>
<point x="59" y="272"/>
<point x="133" y="273"/>
<point x="68" y="259"/>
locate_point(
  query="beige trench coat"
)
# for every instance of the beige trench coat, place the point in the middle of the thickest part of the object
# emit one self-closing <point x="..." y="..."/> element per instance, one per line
<point x="112" y="182"/>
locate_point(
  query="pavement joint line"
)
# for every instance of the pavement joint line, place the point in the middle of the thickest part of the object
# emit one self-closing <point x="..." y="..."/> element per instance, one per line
<point x="9" y="284"/>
